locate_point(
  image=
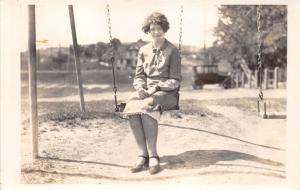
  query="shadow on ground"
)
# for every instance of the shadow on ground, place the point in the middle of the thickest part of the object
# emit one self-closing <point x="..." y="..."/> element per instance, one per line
<point x="194" y="159"/>
<point x="203" y="158"/>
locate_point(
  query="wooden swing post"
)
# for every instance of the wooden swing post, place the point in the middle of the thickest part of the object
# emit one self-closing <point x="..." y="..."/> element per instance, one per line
<point x="76" y="53"/>
<point x="32" y="79"/>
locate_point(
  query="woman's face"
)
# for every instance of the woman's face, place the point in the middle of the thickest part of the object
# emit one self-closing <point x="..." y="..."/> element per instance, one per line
<point x="156" y="32"/>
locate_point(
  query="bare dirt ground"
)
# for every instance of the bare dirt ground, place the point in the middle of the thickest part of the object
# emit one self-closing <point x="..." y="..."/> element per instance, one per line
<point x="215" y="138"/>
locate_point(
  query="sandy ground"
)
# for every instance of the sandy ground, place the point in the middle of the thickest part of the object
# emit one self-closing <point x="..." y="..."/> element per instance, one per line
<point x="216" y="138"/>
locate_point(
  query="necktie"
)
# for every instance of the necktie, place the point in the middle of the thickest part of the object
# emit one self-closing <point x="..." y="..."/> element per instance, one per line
<point x="156" y="56"/>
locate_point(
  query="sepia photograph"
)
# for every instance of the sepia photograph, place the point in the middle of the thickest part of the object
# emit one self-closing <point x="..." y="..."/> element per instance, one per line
<point x="136" y="92"/>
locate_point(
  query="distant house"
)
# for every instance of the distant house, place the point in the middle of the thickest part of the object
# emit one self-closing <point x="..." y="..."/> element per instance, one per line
<point x="125" y="55"/>
<point x="132" y="52"/>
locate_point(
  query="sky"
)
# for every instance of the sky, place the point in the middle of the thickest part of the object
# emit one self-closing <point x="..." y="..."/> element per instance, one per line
<point x="127" y="16"/>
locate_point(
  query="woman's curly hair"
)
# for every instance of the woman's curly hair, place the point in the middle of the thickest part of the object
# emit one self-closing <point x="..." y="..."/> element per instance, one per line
<point x="156" y="18"/>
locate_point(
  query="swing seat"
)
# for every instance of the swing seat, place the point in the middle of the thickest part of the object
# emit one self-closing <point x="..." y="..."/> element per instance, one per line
<point x="273" y="115"/>
<point x="176" y="107"/>
<point x="121" y="106"/>
<point x="270" y="115"/>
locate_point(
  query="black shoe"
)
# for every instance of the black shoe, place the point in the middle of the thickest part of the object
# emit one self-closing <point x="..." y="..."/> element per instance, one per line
<point x="141" y="166"/>
<point x="154" y="169"/>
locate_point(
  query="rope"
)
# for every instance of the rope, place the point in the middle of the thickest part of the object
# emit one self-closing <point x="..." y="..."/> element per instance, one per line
<point x="259" y="61"/>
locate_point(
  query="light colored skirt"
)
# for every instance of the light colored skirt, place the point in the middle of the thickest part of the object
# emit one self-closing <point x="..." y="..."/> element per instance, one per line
<point x="152" y="105"/>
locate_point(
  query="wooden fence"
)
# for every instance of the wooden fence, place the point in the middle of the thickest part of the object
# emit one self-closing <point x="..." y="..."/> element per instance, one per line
<point x="270" y="78"/>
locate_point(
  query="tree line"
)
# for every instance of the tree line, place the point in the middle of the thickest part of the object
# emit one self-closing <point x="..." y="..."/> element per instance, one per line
<point x="237" y="35"/>
<point x="236" y="38"/>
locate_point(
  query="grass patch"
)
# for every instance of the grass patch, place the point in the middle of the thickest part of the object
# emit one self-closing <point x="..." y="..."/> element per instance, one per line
<point x="62" y="111"/>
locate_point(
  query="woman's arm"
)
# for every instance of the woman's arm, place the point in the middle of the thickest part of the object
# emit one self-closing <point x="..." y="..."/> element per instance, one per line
<point x="174" y="73"/>
<point x="140" y="81"/>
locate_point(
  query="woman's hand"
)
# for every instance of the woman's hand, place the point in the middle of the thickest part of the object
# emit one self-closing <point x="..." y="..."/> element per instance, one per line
<point x="142" y="93"/>
<point x="152" y="90"/>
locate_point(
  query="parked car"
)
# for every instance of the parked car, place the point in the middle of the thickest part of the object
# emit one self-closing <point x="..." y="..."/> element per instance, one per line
<point x="208" y="74"/>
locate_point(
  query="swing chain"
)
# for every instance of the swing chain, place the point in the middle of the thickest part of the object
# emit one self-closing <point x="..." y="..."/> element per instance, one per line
<point x="112" y="59"/>
<point x="109" y="24"/>
<point x="180" y="29"/>
<point x="259" y="52"/>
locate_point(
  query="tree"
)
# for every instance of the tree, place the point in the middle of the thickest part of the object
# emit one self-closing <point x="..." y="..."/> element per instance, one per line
<point x="237" y="36"/>
<point x="60" y="58"/>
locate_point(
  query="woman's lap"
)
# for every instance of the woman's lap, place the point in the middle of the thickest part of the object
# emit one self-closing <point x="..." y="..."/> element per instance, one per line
<point x="150" y="105"/>
<point x="162" y="98"/>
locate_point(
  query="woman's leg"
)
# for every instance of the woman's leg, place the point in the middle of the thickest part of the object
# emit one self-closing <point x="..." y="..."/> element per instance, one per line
<point x="136" y="126"/>
<point x="151" y="131"/>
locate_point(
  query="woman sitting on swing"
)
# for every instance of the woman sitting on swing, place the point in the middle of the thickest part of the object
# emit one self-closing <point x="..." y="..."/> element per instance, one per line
<point x="157" y="80"/>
